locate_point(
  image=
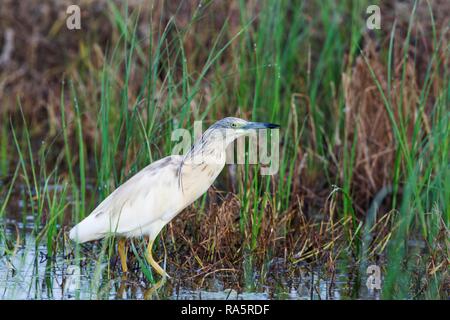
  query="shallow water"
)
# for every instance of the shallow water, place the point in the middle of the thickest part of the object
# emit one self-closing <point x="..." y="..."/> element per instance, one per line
<point x="29" y="274"/>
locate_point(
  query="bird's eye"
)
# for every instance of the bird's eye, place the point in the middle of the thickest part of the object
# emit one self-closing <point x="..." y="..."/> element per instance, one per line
<point x="233" y="125"/>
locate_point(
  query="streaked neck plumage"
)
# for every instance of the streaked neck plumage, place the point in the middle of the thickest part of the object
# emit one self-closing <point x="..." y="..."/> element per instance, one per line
<point x="205" y="160"/>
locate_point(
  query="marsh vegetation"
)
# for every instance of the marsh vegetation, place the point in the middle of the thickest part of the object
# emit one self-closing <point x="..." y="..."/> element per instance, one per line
<point x="364" y="175"/>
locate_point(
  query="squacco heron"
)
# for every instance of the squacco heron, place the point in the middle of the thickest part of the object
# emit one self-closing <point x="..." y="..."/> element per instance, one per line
<point x="150" y="199"/>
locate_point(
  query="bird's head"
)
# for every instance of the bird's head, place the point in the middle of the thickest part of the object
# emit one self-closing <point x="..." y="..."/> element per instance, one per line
<point x="215" y="140"/>
<point x="240" y="126"/>
<point x="231" y="128"/>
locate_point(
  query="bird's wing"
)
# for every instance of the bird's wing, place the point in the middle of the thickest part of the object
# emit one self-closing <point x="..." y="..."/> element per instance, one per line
<point x="148" y="196"/>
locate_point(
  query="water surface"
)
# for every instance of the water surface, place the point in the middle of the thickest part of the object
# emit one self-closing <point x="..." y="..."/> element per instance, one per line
<point x="29" y="273"/>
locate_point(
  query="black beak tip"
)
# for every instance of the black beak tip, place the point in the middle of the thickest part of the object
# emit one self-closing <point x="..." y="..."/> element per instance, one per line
<point x="272" y="125"/>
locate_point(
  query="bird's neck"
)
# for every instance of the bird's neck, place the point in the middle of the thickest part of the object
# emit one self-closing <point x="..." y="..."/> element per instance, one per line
<point x="210" y="149"/>
<point x="202" y="164"/>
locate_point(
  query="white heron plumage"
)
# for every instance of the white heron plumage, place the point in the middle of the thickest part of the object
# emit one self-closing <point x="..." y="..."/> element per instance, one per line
<point x="150" y="199"/>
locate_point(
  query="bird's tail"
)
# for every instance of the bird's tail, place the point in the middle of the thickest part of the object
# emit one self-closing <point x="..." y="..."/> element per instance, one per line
<point x="85" y="231"/>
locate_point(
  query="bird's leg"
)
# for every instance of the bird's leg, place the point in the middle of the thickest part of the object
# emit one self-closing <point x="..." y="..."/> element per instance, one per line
<point x="122" y="287"/>
<point x="148" y="294"/>
<point x="123" y="254"/>
<point x="153" y="263"/>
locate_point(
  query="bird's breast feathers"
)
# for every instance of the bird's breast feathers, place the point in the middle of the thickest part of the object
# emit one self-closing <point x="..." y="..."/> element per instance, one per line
<point x="153" y="195"/>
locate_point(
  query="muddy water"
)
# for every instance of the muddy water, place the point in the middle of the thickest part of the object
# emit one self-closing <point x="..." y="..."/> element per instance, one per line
<point x="26" y="272"/>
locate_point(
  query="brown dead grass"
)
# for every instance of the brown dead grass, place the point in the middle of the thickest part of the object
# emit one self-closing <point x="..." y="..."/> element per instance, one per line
<point x="366" y="115"/>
